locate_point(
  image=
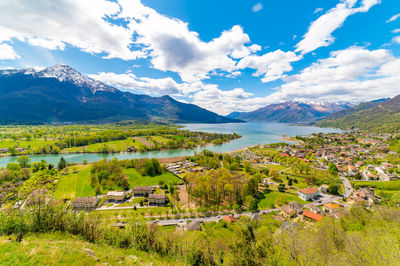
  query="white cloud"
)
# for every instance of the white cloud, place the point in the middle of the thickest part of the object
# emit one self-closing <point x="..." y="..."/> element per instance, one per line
<point x="257" y="7"/>
<point x="45" y="43"/>
<point x="396" y="31"/>
<point x="173" y="47"/>
<point x="396" y="39"/>
<point x="272" y="65"/>
<point x="320" y="31"/>
<point x="7" y="52"/>
<point x="129" y="81"/>
<point x="220" y="101"/>
<point x="393" y="18"/>
<point x="52" y="24"/>
<point x="318" y="9"/>
<point x="353" y="74"/>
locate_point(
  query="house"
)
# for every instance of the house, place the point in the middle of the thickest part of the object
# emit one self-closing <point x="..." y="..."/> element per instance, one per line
<point x="85" y="203"/>
<point x="314" y="209"/>
<point x="308" y="194"/>
<point x="192" y="226"/>
<point x="309" y="215"/>
<point x="297" y="207"/>
<point x="230" y="219"/>
<point x="116" y="195"/>
<point x="330" y="207"/>
<point x="157" y="199"/>
<point x="287" y="212"/>
<point x="142" y="191"/>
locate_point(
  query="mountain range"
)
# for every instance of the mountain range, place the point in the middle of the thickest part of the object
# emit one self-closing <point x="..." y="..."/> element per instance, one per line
<point x="291" y="112"/>
<point x="61" y="94"/>
<point x="380" y="115"/>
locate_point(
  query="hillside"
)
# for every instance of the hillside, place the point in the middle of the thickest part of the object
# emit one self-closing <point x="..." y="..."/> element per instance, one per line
<point x="66" y="249"/>
<point x="62" y="94"/>
<point x="290" y="112"/>
<point x="380" y="116"/>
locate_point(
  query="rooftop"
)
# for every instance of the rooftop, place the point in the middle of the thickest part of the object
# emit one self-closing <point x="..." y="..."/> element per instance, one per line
<point x="311" y="190"/>
<point x="312" y="215"/>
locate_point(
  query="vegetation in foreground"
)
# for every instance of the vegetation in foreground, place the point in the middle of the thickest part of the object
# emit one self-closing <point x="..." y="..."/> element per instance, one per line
<point x="360" y="237"/>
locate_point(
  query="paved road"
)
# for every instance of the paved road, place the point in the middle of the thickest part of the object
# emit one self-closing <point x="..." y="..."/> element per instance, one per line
<point x="207" y="219"/>
<point x="348" y="189"/>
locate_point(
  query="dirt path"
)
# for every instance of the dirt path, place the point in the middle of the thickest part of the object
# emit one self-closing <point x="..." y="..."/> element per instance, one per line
<point x="145" y="142"/>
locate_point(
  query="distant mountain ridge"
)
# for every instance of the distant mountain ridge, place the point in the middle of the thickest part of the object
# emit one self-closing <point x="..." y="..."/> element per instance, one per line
<point x="62" y="94"/>
<point x="291" y="112"/>
<point x="379" y="115"/>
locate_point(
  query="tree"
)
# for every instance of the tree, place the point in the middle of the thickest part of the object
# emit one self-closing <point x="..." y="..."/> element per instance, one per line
<point x="61" y="164"/>
<point x="333" y="189"/>
<point x="281" y="187"/>
<point x="23" y="161"/>
<point x="251" y="203"/>
<point x="332" y="169"/>
<point x="290" y="182"/>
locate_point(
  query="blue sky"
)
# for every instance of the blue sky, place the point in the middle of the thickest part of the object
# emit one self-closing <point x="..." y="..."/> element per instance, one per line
<point x="222" y="55"/>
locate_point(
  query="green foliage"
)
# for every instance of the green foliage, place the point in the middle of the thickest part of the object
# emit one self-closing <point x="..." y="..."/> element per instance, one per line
<point x="333" y="189"/>
<point x="108" y="175"/>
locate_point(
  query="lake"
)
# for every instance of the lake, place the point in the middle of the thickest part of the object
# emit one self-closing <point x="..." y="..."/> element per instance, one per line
<point x="252" y="134"/>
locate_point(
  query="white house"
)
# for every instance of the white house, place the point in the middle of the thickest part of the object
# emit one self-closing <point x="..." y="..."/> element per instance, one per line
<point x="308" y="194"/>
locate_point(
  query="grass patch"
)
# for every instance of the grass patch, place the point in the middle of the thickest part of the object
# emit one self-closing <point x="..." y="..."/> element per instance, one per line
<point x="75" y="185"/>
<point x="136" y="179"/>
<point x="268" y="199"/>
<point x="383" y="185"/>
<point x="65" y="249"/>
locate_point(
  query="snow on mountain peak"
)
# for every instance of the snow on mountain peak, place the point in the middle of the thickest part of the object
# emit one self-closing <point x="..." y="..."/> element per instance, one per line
<point x="64" y="73"/>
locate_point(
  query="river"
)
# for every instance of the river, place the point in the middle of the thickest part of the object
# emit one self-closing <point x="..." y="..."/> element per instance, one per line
<point x="252" y="134"/>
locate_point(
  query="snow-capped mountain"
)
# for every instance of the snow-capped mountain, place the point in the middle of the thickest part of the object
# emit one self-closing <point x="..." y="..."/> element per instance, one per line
<point x="63" y="73"/>
<point x="62" y="94"/>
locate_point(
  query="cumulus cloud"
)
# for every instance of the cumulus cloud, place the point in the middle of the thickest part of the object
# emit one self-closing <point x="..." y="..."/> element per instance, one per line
<point x="353" y="74"/>
<point x="7" y="52"/>
<point x="257" y="7"/>
<point x="222" y="101"/>
<point x="173" y="47"/>
<point x="393" y="18"/>
<point x="271" y="65"/>
<point x="82" y="24"/>
<point x="158" y="87"/>
<point x="319" y="33"/>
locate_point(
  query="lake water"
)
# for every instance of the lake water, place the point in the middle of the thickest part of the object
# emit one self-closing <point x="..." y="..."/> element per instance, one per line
<point x="252" y="134"/>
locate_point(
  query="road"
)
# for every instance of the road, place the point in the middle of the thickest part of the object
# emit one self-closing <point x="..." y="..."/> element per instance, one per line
<point x="348" y="189"/>
<point x="207" y="219"/>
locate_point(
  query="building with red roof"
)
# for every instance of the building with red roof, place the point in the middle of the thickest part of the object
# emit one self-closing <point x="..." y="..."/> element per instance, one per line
<point x="308" y="194"/>
<point x="309" y="215"/>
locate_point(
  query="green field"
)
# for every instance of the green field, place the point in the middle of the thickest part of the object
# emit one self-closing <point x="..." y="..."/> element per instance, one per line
<point x="116" y="146"/>
<point x="387" y="185"/>
<point x="269" y="199"/>
<point x="136" y="179"/>
<point x="74" y="185"/>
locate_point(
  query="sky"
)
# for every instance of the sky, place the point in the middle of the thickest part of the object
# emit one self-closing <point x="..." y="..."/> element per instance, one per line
<point x="223" y="55"/>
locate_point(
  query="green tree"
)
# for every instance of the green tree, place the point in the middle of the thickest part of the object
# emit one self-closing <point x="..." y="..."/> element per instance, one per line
<point x="333" y="189"/>
<point x="24" y="161"/>
<point x="61" y="164"/>
<point x="281" y="187"/>
<point x="251" y="203"/>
